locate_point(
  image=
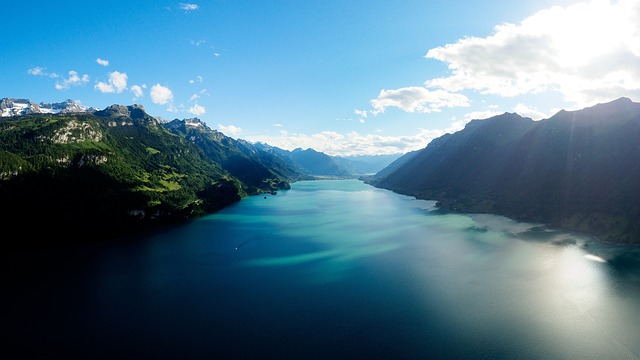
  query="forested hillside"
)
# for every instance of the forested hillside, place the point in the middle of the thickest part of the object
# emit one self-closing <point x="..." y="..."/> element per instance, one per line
<point x="94" y="175"/>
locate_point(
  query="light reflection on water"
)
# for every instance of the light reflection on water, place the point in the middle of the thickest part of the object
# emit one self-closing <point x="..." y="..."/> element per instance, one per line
<point x="594" y="258"/>
<point x="541" y="291"/>
<point x="544" y="287"/>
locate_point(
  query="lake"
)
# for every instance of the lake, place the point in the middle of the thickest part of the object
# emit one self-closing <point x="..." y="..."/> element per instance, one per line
<point x="331" y="269"/>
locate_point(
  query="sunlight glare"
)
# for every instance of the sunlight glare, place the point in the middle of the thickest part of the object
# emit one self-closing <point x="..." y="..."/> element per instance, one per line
<point x="594" y="258"/>
<point x="594" y="30"/>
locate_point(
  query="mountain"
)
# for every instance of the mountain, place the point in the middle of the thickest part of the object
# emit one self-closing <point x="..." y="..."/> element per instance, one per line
<point x="18" y="107"/>
<point x="365" y="164"/>
<point x="578" y="170"/>
<point x="395" y="164"/>
<point x="96" y="175"/>
<point x="313" y="163"/>
<point x="318" y="164"/>
<point x="254" y="167"/>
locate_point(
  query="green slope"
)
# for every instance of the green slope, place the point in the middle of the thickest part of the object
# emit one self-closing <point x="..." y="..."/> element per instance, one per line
<point x="88" y="176"/>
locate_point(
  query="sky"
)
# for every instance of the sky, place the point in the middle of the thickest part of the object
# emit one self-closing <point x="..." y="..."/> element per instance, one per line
<point x="342" y="77"/>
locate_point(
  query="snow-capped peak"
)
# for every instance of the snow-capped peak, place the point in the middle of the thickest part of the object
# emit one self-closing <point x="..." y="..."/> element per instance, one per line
<point x="17" y="107"/>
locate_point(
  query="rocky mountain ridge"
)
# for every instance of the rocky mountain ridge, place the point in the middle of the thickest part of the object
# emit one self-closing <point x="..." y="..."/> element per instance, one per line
<point x="19" y="107"/>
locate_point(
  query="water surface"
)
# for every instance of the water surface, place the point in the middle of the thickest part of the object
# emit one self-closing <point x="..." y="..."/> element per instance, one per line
<point x="331" y="270"/>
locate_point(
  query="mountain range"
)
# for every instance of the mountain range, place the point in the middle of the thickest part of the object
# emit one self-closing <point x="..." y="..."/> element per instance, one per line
<point x="308" y="161"/>
<point x="94" y="174"/>
<point x="18" y="107"/>
<point x="577" y="170"/>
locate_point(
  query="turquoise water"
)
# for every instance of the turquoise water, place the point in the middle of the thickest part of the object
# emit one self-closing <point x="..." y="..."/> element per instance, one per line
<point x="332" y="269"/>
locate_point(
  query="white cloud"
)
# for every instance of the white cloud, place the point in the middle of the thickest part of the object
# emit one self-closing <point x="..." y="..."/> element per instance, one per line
<point x="119" y="80"/>
<point x="116" y="84"/>
<point x="161" y="95"/>
<point x="73" y="80"/>
<point x="137" y="91"/>
<point x="417" y="99"/>
<point x="188" y="7"/>
<point x="197" y="110"/>
<point x="198" y="79"/>
<point x="104" y="87"/>
<point x="480" y="115"/>
<point x="527" y="111"/>
<point x="588" y="52"/>
<point x="36" y="71"/>
<point x="40" y="71"/>
<point x="102" y="62"/>
<point x="229" y="130"/>
<point x="520" y="109"/>
<point x="362" y="113"/>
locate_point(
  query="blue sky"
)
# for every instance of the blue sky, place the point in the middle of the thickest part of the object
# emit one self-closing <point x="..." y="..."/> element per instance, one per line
<point x="343" y="77"/>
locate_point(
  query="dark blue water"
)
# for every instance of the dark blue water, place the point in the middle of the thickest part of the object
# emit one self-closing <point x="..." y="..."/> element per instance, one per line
<point x="329" y="270"/>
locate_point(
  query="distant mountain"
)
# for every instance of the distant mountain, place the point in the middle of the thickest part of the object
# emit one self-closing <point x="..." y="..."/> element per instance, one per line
<point x="284" y="156"/>
<point x="395" y="164"/>
<point x="365" y="164"/>
<point x="310" y="162"/>
<point x="318" y="164"/>
<point x="578" y="170"/>
<point x="18" y="107"/>
<point x="93" y="175"/>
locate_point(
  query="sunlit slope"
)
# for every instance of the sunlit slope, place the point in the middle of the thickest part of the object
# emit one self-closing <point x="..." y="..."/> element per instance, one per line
<point x="578" y="170"/>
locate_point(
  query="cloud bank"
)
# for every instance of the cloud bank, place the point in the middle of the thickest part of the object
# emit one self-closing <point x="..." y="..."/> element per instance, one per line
<point x="417" y="99"/>
<point x="587" y="52"/>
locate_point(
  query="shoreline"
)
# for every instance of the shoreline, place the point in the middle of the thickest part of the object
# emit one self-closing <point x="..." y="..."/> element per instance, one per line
<point x="550" y="226"/>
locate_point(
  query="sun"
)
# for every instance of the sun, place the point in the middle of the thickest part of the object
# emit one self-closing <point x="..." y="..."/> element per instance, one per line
<point x="592" y="31"/>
